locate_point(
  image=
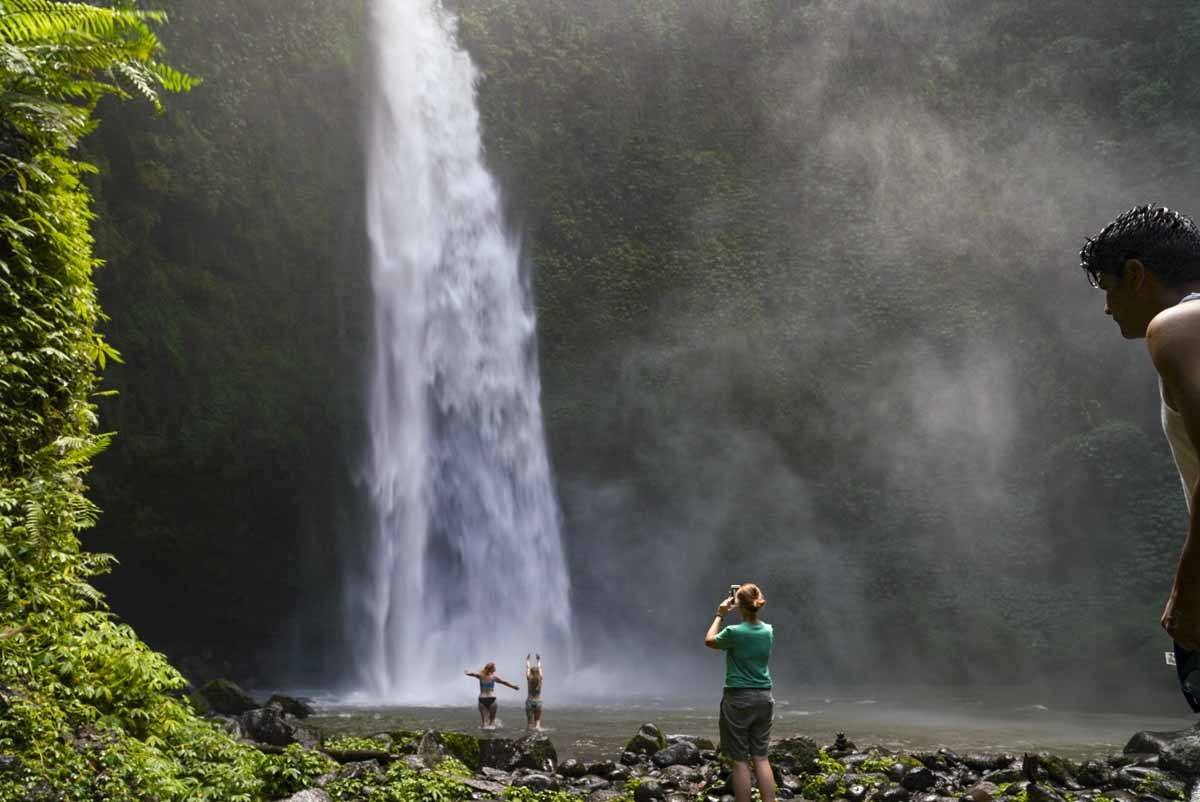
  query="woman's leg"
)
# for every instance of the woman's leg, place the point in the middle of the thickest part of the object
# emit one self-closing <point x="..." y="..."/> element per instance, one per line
<point x="492" y="708"/>
<point x="766" y="779"/>
<point x="537" y="717"/>
<point x="482" y="715"/>
<point x="528" y="716"/>
<point x="741" y="780"/>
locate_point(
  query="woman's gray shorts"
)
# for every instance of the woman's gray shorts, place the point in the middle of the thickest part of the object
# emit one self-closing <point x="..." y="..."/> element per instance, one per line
<point x="746" y="722"/>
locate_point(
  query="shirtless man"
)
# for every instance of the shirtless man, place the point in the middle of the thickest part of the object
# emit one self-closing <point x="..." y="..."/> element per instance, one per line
<point x="1147" y="261"/>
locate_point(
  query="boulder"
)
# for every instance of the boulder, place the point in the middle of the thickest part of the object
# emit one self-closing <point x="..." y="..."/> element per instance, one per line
<point x="701" y="743"/>
<point x="1040" y="792"/>
<point x="648" y="740"/>
<point x="680" y="753"/>
<point x="798" y="754"/>
<point x="921" y="779"/>
<point x="1093" y="774"/>
<point x="893" y="795"/>
<point x="648" y="790"/>
<point x="225" y="697"/>
<point x="496" y="753"/>
<point x="268" y="726"/>
<point x="309" y="795"/>
<point x="299" y="708"/>
<point x="537" y="781"/>
<point x="981" y="792"/>
<point x="985" y="761"/>
<point x="534" y="752"/>
<point x="1150" y="742"/>
<point x="571" y="768"/>
<point x="495" y="789"/>
<point x="1182" y="755"/>
<point x="602" y="768"/>
<point x="591" y="783"/>
<point x="604" y="795"/>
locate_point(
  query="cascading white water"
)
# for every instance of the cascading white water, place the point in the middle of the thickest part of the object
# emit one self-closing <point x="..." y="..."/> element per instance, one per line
<point x="465" y="562"/>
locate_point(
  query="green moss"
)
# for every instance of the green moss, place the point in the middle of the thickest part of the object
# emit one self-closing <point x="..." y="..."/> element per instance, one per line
<point x="349" y="743"/>
<point x="829" y="765"/>
<point x="463" y="747"/>
<point x="880" y="764"/>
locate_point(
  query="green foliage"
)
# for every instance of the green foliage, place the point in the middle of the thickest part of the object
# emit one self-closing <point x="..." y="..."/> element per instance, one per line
<point x="88" y="711"/>
<point x="828" y="764"/>
<point x="515" y="794"/>
<point x="295" y="769"/>
<point x="880" y="763"/>
<point x="401" y="783"/>
<point x="345" y="743"/>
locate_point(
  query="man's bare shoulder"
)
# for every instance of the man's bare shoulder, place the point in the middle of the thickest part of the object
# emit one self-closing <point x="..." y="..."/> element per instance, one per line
<point x="1173" y="336"/>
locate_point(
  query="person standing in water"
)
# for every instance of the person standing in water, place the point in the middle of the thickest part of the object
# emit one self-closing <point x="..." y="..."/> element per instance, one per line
<point x="533" y="702"/>
<point x="747" y="706"/>
<point x="1147" y="262"/>
<point x="488" y="678"/>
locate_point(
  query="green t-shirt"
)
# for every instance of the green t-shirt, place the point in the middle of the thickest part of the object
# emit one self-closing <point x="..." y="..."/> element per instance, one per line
<point x="747" y="649"/>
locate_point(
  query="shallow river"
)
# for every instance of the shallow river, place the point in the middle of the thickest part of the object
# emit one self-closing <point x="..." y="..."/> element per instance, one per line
<point x="594" y="732"/>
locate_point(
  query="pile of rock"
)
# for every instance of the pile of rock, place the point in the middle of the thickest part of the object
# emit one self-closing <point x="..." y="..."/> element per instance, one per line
<point x="654" y="767"/>
<point x="273" y="724"/>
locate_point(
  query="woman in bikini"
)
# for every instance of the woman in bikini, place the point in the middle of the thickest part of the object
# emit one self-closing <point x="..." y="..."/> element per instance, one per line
<point x="533" y="702"/>
<point x="488" y="678"/>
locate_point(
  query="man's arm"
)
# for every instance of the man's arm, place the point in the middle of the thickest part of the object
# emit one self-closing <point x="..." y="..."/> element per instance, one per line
<point x="1174" y="342"/>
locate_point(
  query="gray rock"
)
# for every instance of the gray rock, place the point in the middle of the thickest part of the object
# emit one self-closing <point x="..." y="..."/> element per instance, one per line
<point x="981" y="792"/>
<point x="921" y="779"/>
<point x="431" y="749"/>
<point x="496" y="753"/>
<point x="701" y="743"/>
<point x="1040" y="792"/>
<point x="619" y="774"/>
<point x="496" y="789"/>
<point x="1150" y="742"/>
<point x="1118" y="795"/>
<point x="293" y="706"/>
<point x="537" y="781"/>
<point x="495" y="775"/>
<point x="601" y="768"/>
<point x="986" y="761"/>
<point x="591" y="783"/>
<point x="572" y="768"/>
<point x="1182" y="755"/>
<point x="798" y="754"/>
<point x="309" y="795"/>
<point x="603" y="795"/>
<point x="648" y="740"/>
<point x="856" y="793"/>
<point x="225" y="697"/>
<point x="1000" y="776"/>
<point x="648" y="790"/>
<point x="893" y="795"/>
<point x="534" y="752"/>
<point x="783" y="792"/>
<point x="681" y="753"/>
<point x="1093" y="774"/>
<point x="267" y="726"/>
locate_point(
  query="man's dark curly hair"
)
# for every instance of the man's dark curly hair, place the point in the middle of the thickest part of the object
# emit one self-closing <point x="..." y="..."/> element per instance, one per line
<point x="1165" y="241"/>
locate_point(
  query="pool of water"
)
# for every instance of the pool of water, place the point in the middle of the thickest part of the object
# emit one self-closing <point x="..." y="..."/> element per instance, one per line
<point x="916" y="722"/>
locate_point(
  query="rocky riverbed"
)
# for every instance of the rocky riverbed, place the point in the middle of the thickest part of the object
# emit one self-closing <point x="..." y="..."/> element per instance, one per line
<point x="433" y="766"/>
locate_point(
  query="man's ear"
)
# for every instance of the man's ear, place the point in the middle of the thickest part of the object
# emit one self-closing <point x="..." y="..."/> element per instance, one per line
<point x="1134" y="273"/>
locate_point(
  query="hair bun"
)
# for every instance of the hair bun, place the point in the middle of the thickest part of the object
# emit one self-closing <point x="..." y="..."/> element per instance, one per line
<point x="759" y="602"/>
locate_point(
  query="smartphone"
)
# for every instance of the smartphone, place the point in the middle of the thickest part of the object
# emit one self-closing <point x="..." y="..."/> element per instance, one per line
<point x="733" y="589"/>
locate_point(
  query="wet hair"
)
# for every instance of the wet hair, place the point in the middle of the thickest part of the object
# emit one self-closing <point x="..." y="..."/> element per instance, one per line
<point x="488" y="668"/>
<point x="1165" y="241"/>
<point x="750" y="599"/>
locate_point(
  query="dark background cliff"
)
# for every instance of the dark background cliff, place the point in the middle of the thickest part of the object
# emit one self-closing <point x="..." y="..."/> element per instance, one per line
<point x="809" y="313"/>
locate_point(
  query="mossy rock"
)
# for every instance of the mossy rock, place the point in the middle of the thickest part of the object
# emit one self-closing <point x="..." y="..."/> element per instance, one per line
<point x="224" y="696"/>
<point x="799" y="754"/>
<point x="463" y="747"/>
<point x="648" y="740"/>
<point x="404" y="742"/>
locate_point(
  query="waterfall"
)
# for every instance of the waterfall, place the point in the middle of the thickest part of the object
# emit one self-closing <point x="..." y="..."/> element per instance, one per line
<point x="464" y="562"/>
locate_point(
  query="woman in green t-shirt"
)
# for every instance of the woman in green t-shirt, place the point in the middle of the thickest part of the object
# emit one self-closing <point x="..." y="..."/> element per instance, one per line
<point x="746" y="706"/>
